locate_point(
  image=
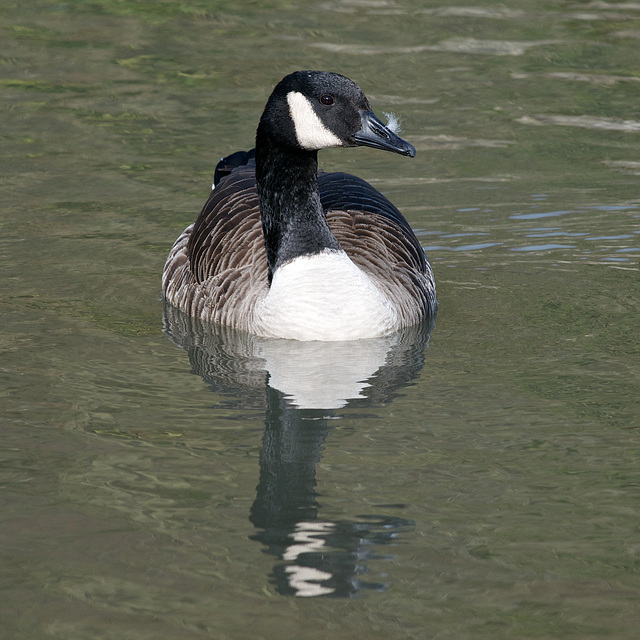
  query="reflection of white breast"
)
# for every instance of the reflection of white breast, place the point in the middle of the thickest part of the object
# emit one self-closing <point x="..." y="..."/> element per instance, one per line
<point x="313" y="374"/>
<point x="324" y="297"/>
<point x="322" y="375"/>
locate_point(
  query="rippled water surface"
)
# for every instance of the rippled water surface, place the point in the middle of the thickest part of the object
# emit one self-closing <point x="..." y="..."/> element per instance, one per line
<point x="476" y="479"/>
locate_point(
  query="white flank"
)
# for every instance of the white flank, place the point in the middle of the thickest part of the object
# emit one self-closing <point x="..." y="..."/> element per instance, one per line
<point x="324" y="297"/>
<point x="310" y="132"/>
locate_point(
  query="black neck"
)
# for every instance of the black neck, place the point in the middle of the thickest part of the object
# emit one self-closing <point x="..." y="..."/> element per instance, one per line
<point x="293" y="221"/>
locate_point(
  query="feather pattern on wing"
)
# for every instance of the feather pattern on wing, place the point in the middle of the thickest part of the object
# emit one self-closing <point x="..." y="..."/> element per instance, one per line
<point x="217" y="269"/>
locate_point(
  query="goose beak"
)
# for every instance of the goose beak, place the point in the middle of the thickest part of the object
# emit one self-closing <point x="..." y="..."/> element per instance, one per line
<point x="377" y="135"/>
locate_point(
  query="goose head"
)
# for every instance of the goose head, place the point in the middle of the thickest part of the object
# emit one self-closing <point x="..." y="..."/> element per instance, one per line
<point x="312" y="110"/>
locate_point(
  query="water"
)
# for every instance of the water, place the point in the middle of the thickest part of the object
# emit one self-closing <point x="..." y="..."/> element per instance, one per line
<point x="163" y="480"/>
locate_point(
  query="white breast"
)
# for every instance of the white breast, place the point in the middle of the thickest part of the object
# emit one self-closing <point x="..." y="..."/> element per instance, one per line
<point x="324" y="297"/>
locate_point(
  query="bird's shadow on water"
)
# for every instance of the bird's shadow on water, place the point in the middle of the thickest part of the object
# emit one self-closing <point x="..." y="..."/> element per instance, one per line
<point x="301" y="386"/>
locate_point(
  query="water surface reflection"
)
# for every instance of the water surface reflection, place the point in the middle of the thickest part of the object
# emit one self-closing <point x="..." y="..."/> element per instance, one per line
<point x="301" y="385"/>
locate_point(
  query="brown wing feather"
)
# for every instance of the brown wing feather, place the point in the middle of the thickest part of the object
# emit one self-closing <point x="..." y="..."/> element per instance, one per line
<point x="217" y="269"/>
<point x="382" y="249"/>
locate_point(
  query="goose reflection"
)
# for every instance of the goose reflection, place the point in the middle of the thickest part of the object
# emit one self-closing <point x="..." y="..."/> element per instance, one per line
<point x="300" y="385"/>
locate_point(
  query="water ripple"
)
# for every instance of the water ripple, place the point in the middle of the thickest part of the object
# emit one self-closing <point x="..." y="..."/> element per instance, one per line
<point x="594" y="78"/>
<point x="465" y="247"/>
<point x="534" y="216"/>
<point x="585" y="122"/>
<point x="444" y="141"/>
<point x="620" y="237"/>
<point x="543" y="247"/>
<point x="385" y="7"/>
<point x="552" y="234"/>
<point x="587" y="228"/>
<point x="455" y="45"/>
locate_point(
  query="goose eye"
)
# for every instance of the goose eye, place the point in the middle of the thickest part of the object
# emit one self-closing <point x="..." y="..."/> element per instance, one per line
<point x="326" y="100"/>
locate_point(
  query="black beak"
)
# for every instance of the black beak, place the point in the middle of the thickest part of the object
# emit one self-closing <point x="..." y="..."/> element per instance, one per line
<point x="375" y="134"/>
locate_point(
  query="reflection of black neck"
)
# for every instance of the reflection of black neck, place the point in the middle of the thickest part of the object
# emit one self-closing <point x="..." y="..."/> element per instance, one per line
<point x="316" y="556"/>
<point x="291" y="447"/>
<point x="321" y="557"/>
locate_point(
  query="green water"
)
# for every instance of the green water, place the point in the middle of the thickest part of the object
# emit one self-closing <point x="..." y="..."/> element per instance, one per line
<point x="156" y="483"/>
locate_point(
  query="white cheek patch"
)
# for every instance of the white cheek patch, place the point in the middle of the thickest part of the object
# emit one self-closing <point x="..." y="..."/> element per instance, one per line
<point x="310" y="132"/>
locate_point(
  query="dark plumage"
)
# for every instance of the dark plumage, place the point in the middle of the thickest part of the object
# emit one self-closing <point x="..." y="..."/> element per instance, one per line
<point x="223" y="268"/>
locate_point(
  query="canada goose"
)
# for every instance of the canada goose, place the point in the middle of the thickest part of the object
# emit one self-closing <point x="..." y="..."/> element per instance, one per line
<point x="280" y="250"/>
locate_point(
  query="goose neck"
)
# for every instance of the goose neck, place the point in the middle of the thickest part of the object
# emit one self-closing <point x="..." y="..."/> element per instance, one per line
<point x="293" y="221"/>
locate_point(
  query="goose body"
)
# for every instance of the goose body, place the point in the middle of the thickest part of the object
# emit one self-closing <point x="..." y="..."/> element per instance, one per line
<point x="280" y="250"/>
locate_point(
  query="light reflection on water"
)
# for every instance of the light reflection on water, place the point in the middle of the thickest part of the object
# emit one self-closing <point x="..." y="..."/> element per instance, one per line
<point x="590" y="245"/>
